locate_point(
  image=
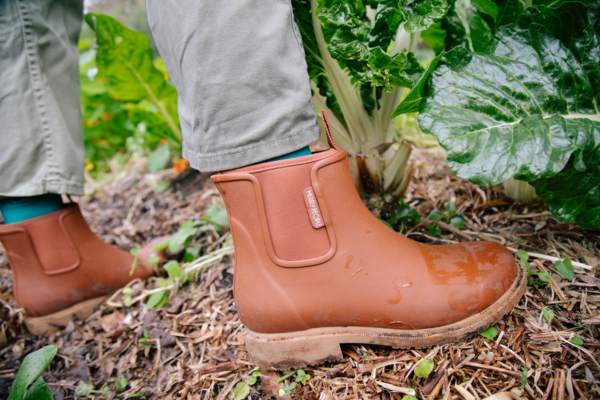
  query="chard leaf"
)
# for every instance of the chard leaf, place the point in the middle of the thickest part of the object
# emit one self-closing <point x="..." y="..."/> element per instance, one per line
<point x="420" y="15"/>
<point x="362" y="49"/>
<point x="125" y="62"/>
<point x="527" y="108"/>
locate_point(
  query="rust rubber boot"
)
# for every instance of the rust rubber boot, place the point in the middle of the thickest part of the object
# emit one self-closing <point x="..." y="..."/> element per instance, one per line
<point x="60" y="268"/>
<point x="314" y="269"/>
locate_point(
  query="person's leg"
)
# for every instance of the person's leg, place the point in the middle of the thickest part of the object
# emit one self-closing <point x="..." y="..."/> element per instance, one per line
<point x="239" y="70"/>
<point x="60" y="267"/>
<point x="314" y="267"/>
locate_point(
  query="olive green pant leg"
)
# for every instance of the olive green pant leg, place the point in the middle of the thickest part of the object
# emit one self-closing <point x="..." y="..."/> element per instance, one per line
<point x="241" y="76"/>
<point x="41" y="139"/>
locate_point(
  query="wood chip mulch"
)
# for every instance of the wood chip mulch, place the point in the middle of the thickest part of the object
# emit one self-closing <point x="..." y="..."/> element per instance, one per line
<point x="192" y="347"/>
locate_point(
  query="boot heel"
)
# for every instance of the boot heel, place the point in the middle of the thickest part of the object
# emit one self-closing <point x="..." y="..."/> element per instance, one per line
<point x="285" y="353"/>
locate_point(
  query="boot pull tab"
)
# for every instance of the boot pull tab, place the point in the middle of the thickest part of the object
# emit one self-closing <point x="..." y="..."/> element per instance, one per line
<point x="328" y="130"/>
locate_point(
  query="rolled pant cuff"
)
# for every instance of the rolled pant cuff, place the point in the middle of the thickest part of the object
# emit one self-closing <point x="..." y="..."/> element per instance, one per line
<point x="251" y="154"/>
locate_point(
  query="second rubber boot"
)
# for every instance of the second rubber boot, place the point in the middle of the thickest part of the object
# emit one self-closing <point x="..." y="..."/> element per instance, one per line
<point x="315" y="269"/>
<point x="60" y="268"/>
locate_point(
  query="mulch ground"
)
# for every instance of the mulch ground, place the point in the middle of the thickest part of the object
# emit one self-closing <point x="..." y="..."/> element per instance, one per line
<point x="192" y="347"/>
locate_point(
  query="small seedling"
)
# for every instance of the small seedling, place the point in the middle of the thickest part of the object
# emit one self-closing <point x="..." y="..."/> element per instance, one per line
<point x="548" y="314"/>
<point x="84" y="389"/>
<point x="144" y="339"/>
<point x="239" y="391"/>
<point x="407" y="397"/>
<point x="524" y="381"/>
<point x="135" y="252"/>
<point x="302" y="377"/>
<point x="489" y="333"/>
<point x="405" y="213"/>
<point x="576" y="340"/>
<point x="254" y="377"/>
<point x="121" y="383"/>
<point x="565" y="268"/>
<point x="424" y="369"/>
<point x="434" y="230"/>
<point x="287" y="389"/>
<point x="28" y="384"/>
<point x="543" y="276"/>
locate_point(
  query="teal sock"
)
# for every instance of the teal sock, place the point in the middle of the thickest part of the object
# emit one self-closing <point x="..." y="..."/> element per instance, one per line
<point x="305" y="151"/>
<point x="17" y="209"/>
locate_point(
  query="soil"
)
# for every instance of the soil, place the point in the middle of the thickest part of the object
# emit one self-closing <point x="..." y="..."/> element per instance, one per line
<point x="192" y="348"/>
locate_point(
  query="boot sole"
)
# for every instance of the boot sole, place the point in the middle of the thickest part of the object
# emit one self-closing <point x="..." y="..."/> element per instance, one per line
<point x="60" y="319"/>
<point x="285" y="351"/>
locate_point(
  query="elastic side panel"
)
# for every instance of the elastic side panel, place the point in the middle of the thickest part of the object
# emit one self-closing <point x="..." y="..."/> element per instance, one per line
<point x="53" y="247"/>
<point x="294" y="237"/>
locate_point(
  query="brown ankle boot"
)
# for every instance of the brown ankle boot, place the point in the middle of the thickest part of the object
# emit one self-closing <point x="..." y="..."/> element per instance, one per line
<point x="60" y="268"/>
<point x="314" y="269"/>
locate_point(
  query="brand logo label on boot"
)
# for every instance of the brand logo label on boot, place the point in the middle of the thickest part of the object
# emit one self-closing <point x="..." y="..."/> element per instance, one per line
<point x="314" y="213"/>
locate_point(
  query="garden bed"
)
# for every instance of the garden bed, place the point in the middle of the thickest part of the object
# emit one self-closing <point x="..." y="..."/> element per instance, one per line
<point x="192" y="347"/>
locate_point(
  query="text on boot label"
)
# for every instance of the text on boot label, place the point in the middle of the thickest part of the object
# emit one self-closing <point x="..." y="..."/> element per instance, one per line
<point x="314" y="213"/>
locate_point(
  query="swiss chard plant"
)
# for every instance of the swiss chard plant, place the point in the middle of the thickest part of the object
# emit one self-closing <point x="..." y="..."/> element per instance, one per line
<point x="524" y="104"/>
<point x="128" y="100"/>
<point x="359" y="60"/>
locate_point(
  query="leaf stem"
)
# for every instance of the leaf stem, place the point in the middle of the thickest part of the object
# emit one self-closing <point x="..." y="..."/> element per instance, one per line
<point x="161" y="107"/>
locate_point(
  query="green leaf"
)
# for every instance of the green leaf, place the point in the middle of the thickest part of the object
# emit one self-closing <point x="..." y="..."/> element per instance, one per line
<point x="544" y="276"/>
<point x="407" y="397"/>
<point x="240" y="391"/>
<point x="422" y="14"/>
<point x="522" y="110"/>
<point x="489" y="333"/>
<point x="218" y="215"/>
<point x="523" y="256"/>
<point x="32" y="367"/>
<point x="435" y="215"/>
<point x="458" y="221"/>
<point x="412" y="101"/>
<point x="424" y="369"/>
<point x="434" y="230"/>
<point x="405" y="213"/>
<point x="191" y="253"/>
<point x="156" y="300"/>
<point x="548" y="314"/>
<point x="161" y="187"/>
<point x="361" y="49"/>
<point x="385" y="222"/>
<point x="125" y="62"/>
<point x="172" y="268"/>
<point x="450" y="209"/>
<point x="434" y="38"/>
<point x="39" y="391"/>
<point x="282" y="392"/>
<point x="84" y="389"/>
<point x="524" y="377"/>
<point x="565" y="268"/>
<point x="121" y="382"/>
<point x="576" y="340"/>
<point x="159" y="158"/>
<point x="508" y="11"/>
<point x="180" y="238"/>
